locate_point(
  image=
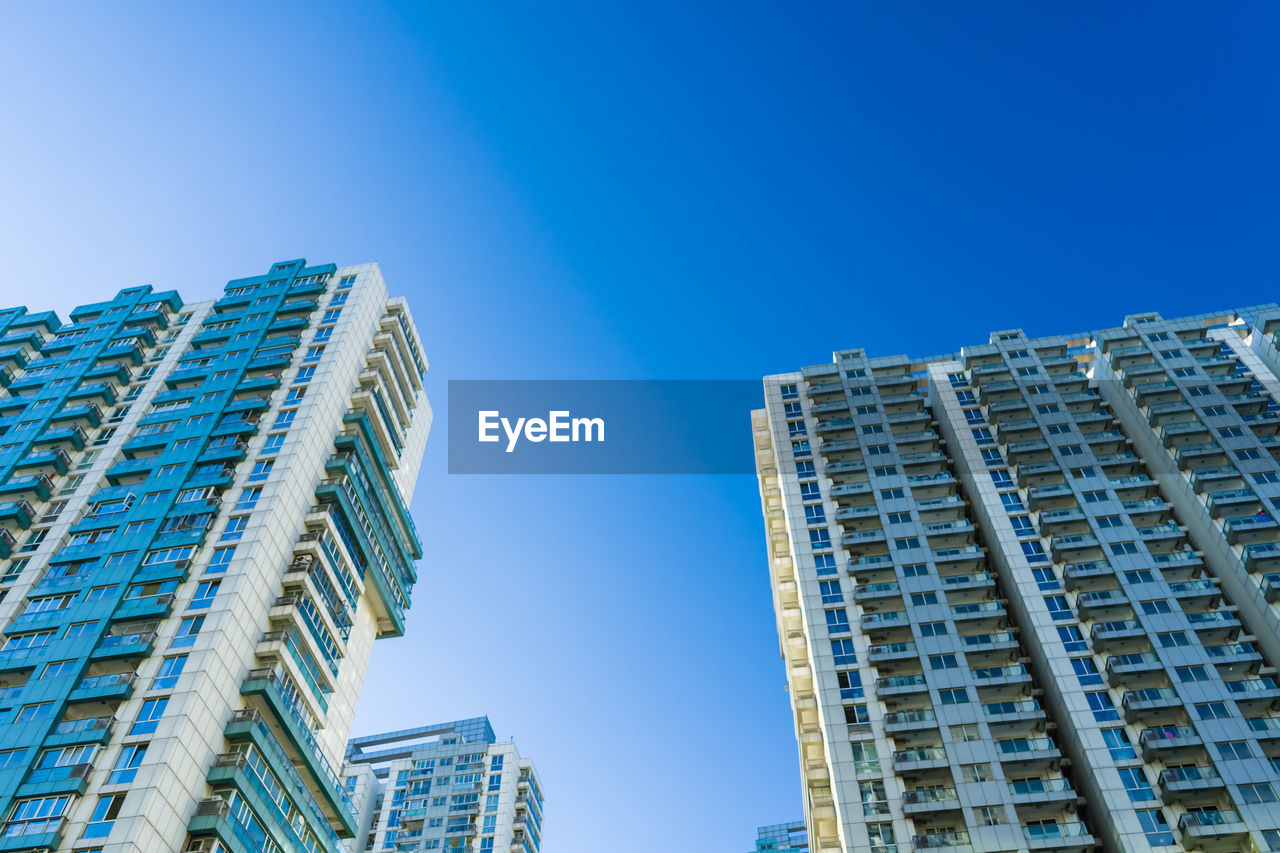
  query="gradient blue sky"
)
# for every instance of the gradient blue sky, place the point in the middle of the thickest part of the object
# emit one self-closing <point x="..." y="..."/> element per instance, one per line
<point x="653" y="190"/>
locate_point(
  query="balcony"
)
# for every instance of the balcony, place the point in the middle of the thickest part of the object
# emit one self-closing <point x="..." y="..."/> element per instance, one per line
<point x="910" y="721"/>
<point x="1055" y="794"/>
<point x="920" y="758"/>
<point x="968" y="556"/>
<point x="1250" y="529"/>
<point x="1073" y="836"/>
<point x="1137" y="669"/>
<point x="929" y="800"/>
<point x="938" y="840"/>
<point x="1262" y="557"/>
<point x="83" y="730"/>
<point x="871" y="592"/>
<point x="1201" y="593"/>
<point x="891" y="652"/>
<point x="1170" y="743"/>
<point x="1091" y="574"/>
<point x="1027" y="754"/>
<point x="1233" y="501"/>
<point x="1215" y="626"/>
<point x="1045" y="497"/>
<point x="899" y="685"/>
<point x="1118" y="635"/>
<point x="1183" y="433"/>
<point x="37" y="486"/>
<point x="1103" y="603"/>
<point x="858" y="513"/>
<point x="1255" y="695"/>
<point x="1217" y="478"/>
<point x="1063" y="548"/>
<point x="1032" y="474"/>
<point x="998" y="641"/>
<point x="1271" y="587"/>
<point x="1150" y="703"/>
<point x="968" y="581"/>
<point x="1055" y="522"/>
<point x="1213" y="829"/>
<point x="1182" y="784"/>
<point x="1024" y="711"/>
<point x="992" y="678"/>
<point x="113" y="687"/>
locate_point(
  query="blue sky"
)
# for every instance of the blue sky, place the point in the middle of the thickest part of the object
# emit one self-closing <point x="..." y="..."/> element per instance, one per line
<point x="650" y="190"/>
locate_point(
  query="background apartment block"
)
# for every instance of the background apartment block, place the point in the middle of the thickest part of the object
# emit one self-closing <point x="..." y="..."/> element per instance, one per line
<point x="451" y="786"/>
<point x="205" y="528"/>
<point x="1027" y="594"/>
<point x="788" y="837"/>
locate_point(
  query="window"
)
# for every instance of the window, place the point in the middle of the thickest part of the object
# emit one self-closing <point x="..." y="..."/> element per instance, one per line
<point x="204" y="596"/>
<point x="1001" y="479"/>
<point x="899" y="517"/>
<point x="810" y="492"/>
<point x="1139" y="576"/>
<point x="249" y="498"/>
<point x="220" y="560"/>
<point x="1212" y="710"/>
<point x="989" y="815"/>
<point x="35" y="816"/>
<point x="933" y="629"/>
<point x="923" y="598"/>
<point x="820" y="538"/>
<point x="842" y="651"/>
<point x="1192" y="673"/>
<point x="1257" y="792"/>
<point x="830" y="592"/>
<point x="1136" y="784"/>
<point x="1124" y="548"/>
<point x="891" y="494"/>
<point x="59" y="668"/>
<point x="1119" y="745"/>
<point x="170" y="669"/>
<point x="1106" y="521"/>
<point x="262" y="469"/>
<point x="1234" y="750"/>
<point x="149" y="716"/>
<point x="1173" y="639"/>
<point x="294" y="396"/>
<point x="1157" y="605"/>
<point x="789" y="392"/>
<point x="1072" y="639"/>
<point x="966" y="733"/>
<point x="104" y="816"/>
<point x="234" y="529"/>
<point x="906" y="542"/>
<point x="837" y="621"/>
<point x="1102" y="706"/>
<point x="1156" y="827"/>
<point x="1086" y="671"/>
<point x="313" y="354"/>
<point x="1034" y="552"/>
<point x="825" y="564"/>
<point x="126" y="766"/>
<point x="11" y="757"/>
<point x="1093" y="497"/>
<point x="915" y="570"/>
<point x="804" y="469"/>
<point x="35" y="711"/>
<point x="187" y="631"/>
<point x="943" y="662"/>
<point x="953" y="696"/>
<point x="976" y="772"/>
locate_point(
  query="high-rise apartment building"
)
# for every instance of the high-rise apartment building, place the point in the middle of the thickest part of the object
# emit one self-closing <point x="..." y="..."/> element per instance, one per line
<point x="1027" y="594"/>
<point x="450" y="786"/>
<point x="782" y="838"/>
<point x="205" y="527"/>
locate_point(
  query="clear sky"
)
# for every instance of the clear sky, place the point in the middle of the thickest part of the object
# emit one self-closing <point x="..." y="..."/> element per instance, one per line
<point x="649" y="190"/>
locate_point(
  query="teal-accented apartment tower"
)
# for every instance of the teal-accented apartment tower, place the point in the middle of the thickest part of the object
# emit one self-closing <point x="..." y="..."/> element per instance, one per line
<point x="203" y="528"/>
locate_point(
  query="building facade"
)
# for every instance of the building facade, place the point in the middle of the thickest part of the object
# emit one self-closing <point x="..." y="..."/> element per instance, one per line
<point x="790" y="837"/>
<point x="451" y="786"/>
<point x="205" y="527"/>
<point x="1027" y="593"/>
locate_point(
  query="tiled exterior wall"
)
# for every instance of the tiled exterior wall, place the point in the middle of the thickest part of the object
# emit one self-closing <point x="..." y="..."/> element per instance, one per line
<point x="1026" y="593"/>
<point x="231" y="497"/>
<point x="450" y="786"/>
